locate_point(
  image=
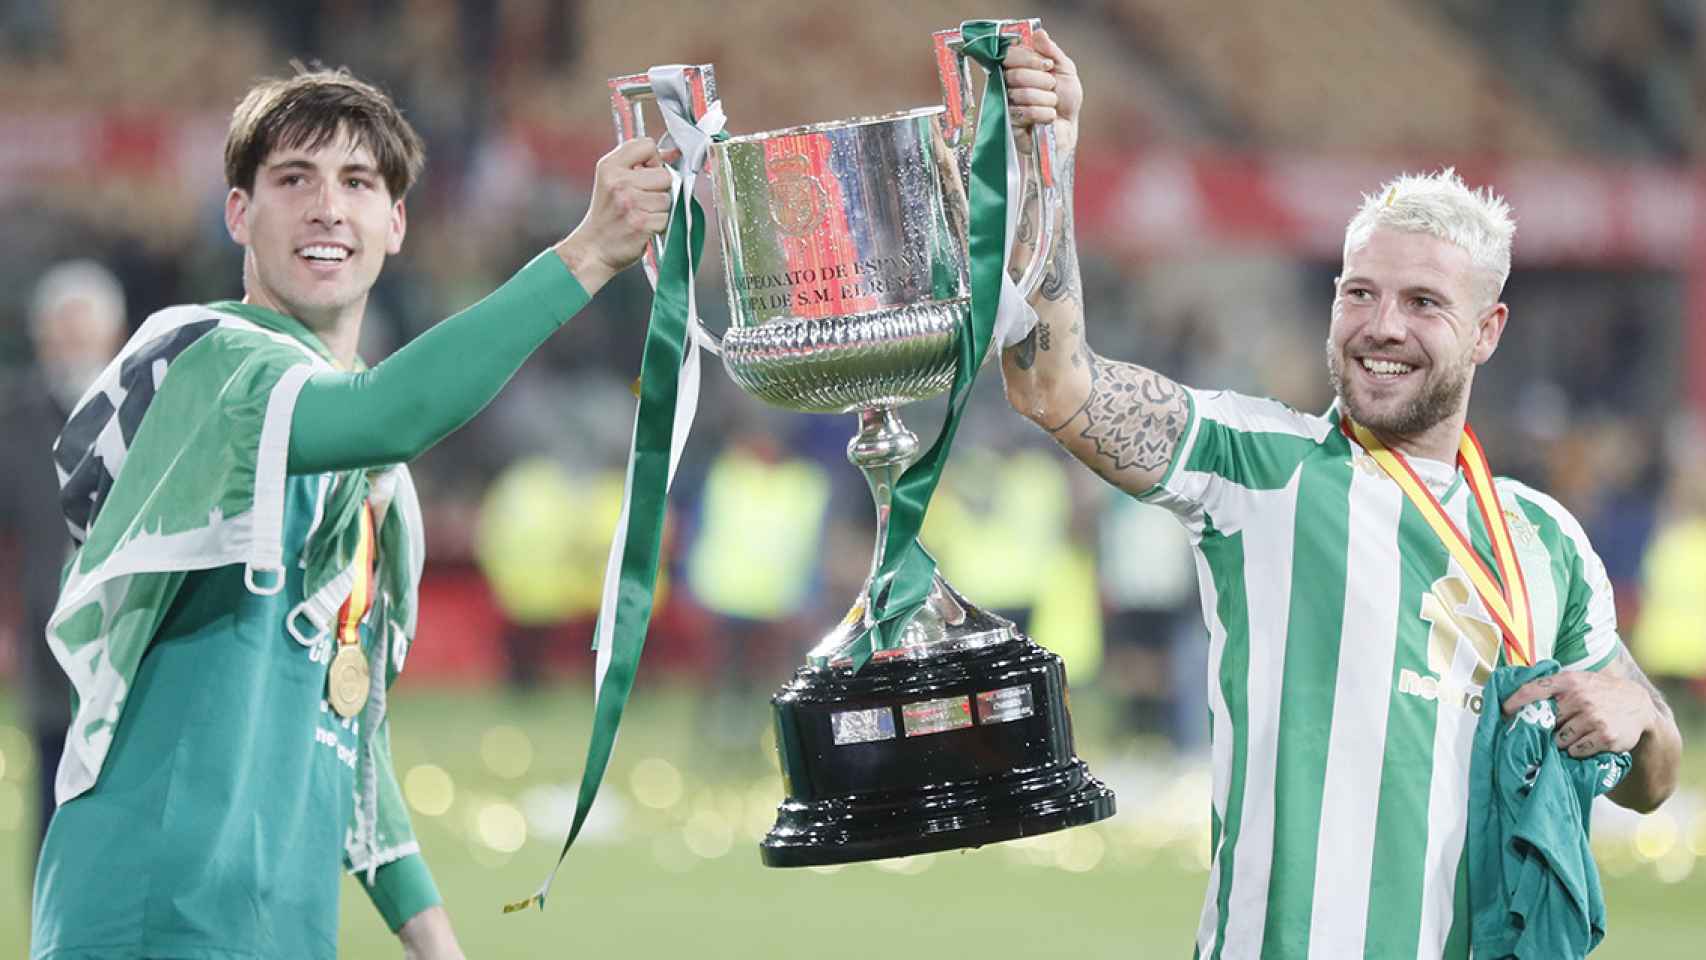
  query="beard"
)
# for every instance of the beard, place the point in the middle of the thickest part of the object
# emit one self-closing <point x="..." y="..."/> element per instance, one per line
<point x="1438" y="398"/>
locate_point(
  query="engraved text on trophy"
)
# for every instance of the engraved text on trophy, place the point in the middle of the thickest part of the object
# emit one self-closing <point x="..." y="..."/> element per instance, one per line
<point x="833" y="283"/>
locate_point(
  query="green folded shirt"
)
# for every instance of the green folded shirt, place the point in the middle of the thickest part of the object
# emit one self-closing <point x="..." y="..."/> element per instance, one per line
<point x="1534" y="890"/>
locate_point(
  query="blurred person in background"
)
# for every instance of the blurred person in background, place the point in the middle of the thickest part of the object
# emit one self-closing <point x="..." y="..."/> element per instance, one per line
<point x="998" y="518"/>
<point x="1348" y="645"/>
<point x="233" y="483"/>
<point x="542" y="539"/>
<point x="76" y="324"/>
<point x="752" y="565"/>
<point x="1066" y="614"/>
<point x="1156" y="649"/>
<point x="1670" y="632"/>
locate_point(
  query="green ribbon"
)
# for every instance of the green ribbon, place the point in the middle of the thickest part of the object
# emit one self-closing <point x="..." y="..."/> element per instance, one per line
<point x="660" y="371"/>
<point x="903" y="580"/>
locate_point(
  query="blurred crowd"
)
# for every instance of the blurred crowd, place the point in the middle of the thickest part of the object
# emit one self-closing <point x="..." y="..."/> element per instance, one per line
<point x="771" y="529"/>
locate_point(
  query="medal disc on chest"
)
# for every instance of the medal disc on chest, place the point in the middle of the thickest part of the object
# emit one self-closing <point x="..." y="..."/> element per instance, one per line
<point x="347" y="681"/>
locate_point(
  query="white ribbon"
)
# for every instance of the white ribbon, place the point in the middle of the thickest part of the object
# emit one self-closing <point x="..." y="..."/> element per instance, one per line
<point x="1014" y="318"/>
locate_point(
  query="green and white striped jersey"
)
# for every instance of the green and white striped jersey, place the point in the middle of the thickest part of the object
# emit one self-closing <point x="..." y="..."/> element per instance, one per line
<point x="1347" y="651"/>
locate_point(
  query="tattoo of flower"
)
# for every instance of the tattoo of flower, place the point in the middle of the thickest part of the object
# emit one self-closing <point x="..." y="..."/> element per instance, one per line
<point x="1134" y="416"/>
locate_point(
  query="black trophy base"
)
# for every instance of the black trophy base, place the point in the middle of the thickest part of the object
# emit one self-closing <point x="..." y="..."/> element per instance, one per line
<point x="918" y="756"/>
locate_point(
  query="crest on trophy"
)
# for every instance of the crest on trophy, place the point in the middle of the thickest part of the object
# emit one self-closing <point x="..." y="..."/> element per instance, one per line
<point x="796" y="197"/>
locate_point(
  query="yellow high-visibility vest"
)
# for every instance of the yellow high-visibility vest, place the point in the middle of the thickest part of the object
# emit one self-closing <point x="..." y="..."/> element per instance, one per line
<point x="543" y="539"/>
<point x="996" y="522"/>
<point x="1670" y="633"/>
<point x="760" y="536"/>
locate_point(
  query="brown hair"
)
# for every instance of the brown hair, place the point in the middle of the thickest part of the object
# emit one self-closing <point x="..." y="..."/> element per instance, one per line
<point x="309" y="110"/>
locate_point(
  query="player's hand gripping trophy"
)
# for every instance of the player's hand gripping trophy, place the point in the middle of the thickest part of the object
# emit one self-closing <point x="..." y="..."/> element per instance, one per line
<point x="867" y="267"/>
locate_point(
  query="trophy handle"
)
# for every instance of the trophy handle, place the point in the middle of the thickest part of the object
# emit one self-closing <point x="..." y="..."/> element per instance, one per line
<point x="627" y="95"/>
<point x="959" y="128"/>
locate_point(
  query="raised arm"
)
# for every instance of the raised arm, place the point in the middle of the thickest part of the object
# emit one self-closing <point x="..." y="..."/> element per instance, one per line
<point x="440" y="380"/>
<point x="1124" y="421"/>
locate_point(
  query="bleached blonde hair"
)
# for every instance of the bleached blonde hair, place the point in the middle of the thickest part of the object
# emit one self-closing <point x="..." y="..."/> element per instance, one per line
<point x="1442" y="205"/>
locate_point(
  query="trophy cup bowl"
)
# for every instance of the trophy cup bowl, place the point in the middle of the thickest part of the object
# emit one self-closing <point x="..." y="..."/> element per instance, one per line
<point x="844" y="251"/>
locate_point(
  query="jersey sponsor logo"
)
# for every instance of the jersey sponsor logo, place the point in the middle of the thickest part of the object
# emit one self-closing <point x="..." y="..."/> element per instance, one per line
<point x="329" y="738"/>
<point x="1453" y="624"/>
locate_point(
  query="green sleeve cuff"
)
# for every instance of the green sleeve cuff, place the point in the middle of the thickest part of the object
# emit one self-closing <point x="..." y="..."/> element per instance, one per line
<point x="545" y="287"/>
<point x="401" y="889"/>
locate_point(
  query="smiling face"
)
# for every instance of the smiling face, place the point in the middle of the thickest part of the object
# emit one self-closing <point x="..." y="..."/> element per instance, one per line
<point x="1412" y="318"/>
<point x="317" y="226"/>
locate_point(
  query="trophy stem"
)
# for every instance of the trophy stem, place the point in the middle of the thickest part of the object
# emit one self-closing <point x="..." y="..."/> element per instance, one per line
<point x="882" y="450"/>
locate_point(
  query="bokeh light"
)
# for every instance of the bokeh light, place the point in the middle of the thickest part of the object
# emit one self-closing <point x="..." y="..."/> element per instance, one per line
<point x="762" y="799"/>
<point x="708" y="833"/>
<point x="656" y="783"/>
<point x="506" y="751"/>
<point x="501" y="827"/>
<point x="1676" y="865"/>
<point x="429" y="789"/>
<point x="1614" y="855"/>
<point x="19" y="754"/>
<point x="550" y="809"/>
<point x="1080" y="851"/>
<point x="11" y="806"/>
<point x="1655" y="836"/>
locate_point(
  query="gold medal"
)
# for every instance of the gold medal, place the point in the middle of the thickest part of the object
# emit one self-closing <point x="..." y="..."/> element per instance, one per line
<point x="347" y="681"/>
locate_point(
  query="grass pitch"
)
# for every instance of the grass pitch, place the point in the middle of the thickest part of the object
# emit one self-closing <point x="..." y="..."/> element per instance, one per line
<point x="669" y="866"/>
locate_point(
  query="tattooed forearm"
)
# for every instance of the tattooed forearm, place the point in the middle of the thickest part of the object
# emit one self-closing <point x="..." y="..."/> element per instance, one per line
<point x="1025" y="351"/>
<point x="1134" y="417"/>
<point x="1061" y="279"/>
<point x="1657" y="755"/>
<point x="1025" y="237"/>
<point x="1097" y="368"/>
<point x="1626" y="666"/>
<point x="1027" y="233"/>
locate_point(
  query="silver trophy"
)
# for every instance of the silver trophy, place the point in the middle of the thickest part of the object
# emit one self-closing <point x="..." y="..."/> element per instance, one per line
<point x="845" y="258"/>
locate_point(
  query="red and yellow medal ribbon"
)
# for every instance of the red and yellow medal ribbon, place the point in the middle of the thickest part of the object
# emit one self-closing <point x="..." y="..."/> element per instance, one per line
<point x="361" y="592"/>
<point x="1505" y="595"/>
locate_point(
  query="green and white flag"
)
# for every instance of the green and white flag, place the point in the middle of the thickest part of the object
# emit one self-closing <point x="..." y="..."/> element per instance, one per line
<point x="174" y="461"/>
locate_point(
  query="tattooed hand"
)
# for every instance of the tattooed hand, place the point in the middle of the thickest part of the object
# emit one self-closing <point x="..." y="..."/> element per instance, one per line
<point x="1043" y="87"/>
<point x="1615" y="709"/>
